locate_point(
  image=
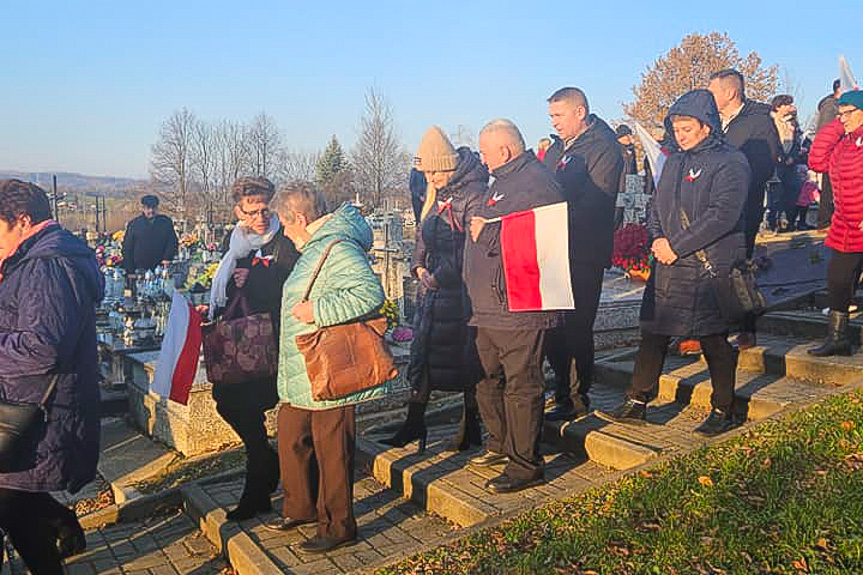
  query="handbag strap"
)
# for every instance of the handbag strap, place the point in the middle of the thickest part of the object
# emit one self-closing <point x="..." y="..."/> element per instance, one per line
<point x="239" y="300"/>
<point x="51" y="387"/>
<point x="318" y="269"/>
<point x="701" y="255"/>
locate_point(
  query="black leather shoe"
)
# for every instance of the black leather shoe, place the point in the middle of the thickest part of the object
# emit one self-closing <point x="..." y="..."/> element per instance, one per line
<point x="71" y="540"/>
<point x="286" y="523"/>
<point x="488" y="458"/>
<point x="560" y="413"/>
<point x="323" y="543"/>
<point x="630" y="411"/>
<point x="716" y="423"/>
<point x="506" y="484"/>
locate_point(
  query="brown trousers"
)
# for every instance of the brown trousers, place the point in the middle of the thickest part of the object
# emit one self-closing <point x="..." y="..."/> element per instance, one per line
<point x="316" y="457"/>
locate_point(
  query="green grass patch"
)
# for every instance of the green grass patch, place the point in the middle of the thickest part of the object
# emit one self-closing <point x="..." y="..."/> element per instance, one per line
<point x="785" y="497"/>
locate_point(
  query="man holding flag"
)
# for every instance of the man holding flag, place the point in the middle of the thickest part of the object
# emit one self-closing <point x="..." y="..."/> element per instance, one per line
<point x="516" y="275"/>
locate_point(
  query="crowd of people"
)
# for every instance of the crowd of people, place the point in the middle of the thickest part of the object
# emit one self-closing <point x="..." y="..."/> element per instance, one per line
<point x="305" y="265"/>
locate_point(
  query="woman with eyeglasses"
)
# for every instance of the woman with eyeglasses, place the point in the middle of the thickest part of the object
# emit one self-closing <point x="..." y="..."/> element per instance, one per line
<point x="838" y="151"/>
<point x="257" y="260"/>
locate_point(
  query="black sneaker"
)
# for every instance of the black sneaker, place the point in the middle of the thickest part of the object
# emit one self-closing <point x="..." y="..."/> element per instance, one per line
<point x="630" y="411"/>
<point x="716" y="423"/>
<point x="488" y="458"/>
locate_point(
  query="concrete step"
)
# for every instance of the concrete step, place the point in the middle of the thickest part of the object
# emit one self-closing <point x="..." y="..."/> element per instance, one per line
<point x="758" y="395"/>
<point x="805" y="324"/>
<point x="785" y="356"/>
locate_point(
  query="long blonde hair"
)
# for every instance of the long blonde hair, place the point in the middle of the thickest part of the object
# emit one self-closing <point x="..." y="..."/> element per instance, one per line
<point x="431" y="200"/>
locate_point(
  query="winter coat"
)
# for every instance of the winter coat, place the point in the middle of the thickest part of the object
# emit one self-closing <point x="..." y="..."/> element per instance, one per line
<point x="630" y="163"/>
<point x="841" y="156"/>
<point x="441" y="351"/>
<point x="48" y="296"/>
<point x="148" y="242"/>
<point x="712" y="180"/>
<point x="346" y="290"/>
<point x="268" y="267"/>
<point x="589" y="172"/>
<point x="753" y="132"/>
<point x="521" y="184"/>
<point x="827" y="112"/>
<point x="417" y="185"/>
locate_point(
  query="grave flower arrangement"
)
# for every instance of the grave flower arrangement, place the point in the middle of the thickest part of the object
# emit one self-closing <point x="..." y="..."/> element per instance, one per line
<point x="632" y="249"/>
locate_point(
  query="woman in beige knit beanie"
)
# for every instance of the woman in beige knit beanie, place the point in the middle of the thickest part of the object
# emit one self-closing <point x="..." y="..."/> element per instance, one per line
<point x="443" y="355"/>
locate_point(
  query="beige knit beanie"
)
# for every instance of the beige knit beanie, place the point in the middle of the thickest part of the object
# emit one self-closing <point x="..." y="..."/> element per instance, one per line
<point x="436" y="153"/>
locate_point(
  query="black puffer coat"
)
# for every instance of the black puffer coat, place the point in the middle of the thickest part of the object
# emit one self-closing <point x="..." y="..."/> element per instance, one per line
<point x="712" y="179"/>
<point x="441" y="348"/>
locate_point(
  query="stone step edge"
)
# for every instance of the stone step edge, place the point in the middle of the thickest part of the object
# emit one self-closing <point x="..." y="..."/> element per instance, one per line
<point x="438" y="496"/>
<point x="674" y="387"/>
<point x="798" y="364"/>
<point x="244" y="555"/>
<point x="581" y="439"/>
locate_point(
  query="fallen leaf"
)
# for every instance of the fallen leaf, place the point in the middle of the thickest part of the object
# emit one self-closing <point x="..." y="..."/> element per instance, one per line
<point x="823" y="544"/>
<point x="847" y="425"/>
<point x="767" y="462"/>
<point x="704" y="480"/>
<point x="800" y="564"/>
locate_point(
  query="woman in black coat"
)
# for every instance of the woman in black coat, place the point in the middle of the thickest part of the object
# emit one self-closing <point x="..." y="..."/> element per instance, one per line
<point x="443" y="356"/>
<point x="706" y="179"/>
<point x="258" y="259"/>
<point x="49" y="288"/>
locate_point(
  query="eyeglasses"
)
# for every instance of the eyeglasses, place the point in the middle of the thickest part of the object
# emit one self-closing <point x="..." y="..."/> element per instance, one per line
<point x="263" y="212"/>
<point x="847" y="113"/>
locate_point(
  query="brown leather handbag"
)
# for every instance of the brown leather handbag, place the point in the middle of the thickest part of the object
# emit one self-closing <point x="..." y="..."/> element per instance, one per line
<point x="346" y="358"/>
<point x="239" y="347"/>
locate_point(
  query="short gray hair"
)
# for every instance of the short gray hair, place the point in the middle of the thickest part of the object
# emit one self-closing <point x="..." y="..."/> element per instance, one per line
<point x="509" y="130"/>
<point x="574" y="96"/>
<point x="303" y="197"/>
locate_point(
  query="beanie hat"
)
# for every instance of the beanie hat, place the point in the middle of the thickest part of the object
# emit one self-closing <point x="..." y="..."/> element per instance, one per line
<point x="851" y="98"/>
<point x="436" y="153"/>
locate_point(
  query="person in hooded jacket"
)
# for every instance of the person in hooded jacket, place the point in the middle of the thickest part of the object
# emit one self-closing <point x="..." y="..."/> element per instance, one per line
<point x="707" y="180"/>
<point x="749" y="128"/>
<point x="587" y="162"/>
<point x="317" y="439"/>
<point x="443" y="354"/>
<point x="50" y="285"/>
<point x="838" y="151"/>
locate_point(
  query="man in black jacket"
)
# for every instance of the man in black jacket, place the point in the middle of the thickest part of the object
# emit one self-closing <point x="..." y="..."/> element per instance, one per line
<point x="826" y="113"/>
<point x="150" y="239"/>
<point x="509" y="343"/>
<point x="748" y="127"/>
<point x="587" y="162"/>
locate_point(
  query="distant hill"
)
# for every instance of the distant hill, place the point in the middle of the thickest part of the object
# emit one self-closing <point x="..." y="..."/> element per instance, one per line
<point x="80" y="183"/>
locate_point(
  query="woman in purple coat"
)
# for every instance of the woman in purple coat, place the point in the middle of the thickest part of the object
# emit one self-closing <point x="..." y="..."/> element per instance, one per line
<point x="49" y="287"/>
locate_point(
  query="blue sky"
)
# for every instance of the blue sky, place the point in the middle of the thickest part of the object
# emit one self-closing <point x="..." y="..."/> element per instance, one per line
<point x="87" y="84"/>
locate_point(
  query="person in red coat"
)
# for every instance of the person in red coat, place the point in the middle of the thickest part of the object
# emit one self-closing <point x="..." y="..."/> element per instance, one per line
<point x="838" y="151"/>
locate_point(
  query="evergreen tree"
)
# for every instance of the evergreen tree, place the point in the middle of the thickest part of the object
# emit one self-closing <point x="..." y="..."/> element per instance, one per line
<point x="331" y="164"/>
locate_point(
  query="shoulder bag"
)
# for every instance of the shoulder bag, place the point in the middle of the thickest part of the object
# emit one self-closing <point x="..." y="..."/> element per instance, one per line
<point x="346" y="358"/>
<point x="21" y="425"/>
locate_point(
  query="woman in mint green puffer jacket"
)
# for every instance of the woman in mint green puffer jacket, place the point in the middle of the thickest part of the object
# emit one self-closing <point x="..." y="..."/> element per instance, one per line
<point x="345" y="290"/>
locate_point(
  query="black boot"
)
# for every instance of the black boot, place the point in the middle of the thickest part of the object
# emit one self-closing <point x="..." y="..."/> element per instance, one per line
<point x="413" y="428"/>
<point x="837" y="342"/>
<point x="469" y="433"/>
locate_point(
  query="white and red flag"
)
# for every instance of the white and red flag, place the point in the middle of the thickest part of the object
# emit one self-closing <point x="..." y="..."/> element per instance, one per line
<point x="181" y="347"/>
<point x="535" y="253"/>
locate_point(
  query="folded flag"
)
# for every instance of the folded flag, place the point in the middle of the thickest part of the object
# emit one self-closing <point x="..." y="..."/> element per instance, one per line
<point x="535" y="252"/>
<point x="181" y="347"/>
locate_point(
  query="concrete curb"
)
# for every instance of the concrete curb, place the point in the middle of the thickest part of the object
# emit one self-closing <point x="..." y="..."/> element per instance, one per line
<point x="584" y="438"/>
<point x="242" y="553"/>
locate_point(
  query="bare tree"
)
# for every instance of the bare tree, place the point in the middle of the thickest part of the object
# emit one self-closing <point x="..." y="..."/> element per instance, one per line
<point x="265" y="143"/>
<point x="464" y="136"/>
<point x="232" y="158"/>
<point x="205" y="167"/>
<point x="689" y="66"/>
<point x="296" y="166"/>
<point x="171" y="162"/>
<point x="380" y="164"/>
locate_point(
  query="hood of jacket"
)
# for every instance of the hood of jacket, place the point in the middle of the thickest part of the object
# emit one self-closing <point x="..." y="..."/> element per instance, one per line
<point x="55" y="242"/>
<point x="468" y="169"/>
<point x="346" y="222"/>
<point x="698" y="104"/>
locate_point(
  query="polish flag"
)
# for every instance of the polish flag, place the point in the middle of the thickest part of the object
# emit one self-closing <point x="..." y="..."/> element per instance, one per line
<point x="535" y="251"/>
<point x="181" y="347"/>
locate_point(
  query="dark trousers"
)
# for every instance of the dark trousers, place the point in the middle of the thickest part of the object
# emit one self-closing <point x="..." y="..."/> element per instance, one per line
<point x="573" y="341"/>
<point x="721" y="363"/>
<point x="262" y="463"/>
<point x="511" y="406"/>
<point x="31" y="520"/>
<point x="754" y="216"/>
<point x="825" y="204"/>
<point x="316" y="454"/>
<point x="843" y="272"/>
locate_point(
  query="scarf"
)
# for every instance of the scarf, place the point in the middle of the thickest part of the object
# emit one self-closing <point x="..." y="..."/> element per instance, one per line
<point x="26" y="236"/>
<point x="243" y="241"/>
